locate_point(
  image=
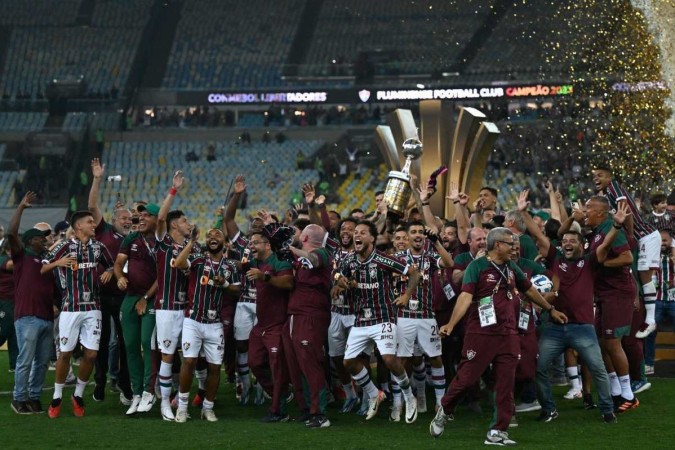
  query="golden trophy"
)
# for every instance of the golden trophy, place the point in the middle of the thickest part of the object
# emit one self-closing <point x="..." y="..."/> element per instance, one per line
<point x="398" y="191"/>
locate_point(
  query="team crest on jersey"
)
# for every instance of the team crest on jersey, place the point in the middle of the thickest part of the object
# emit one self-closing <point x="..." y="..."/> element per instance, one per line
<point x="97" y="252"/>
<point x="581" y="263"/>
<point x="167" y="343"/>
<point x="426" y="265"/>
<point x="563" y="267"/>
<point x="64" y="340"/>
<point x="72" y="248"/>
<point x="186" y="346"/>
<point x="373" y="273"/>
<point x="470" y="354"/>
<point x="174" y="252"/>
<point x="597" y="238"/>
<point x="227" y="273"/>
<point x="367" y="313"/>
<point x="491" y="278"/>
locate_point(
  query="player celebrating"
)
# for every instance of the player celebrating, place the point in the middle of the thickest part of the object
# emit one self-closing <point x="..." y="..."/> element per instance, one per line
<point x="416" y="322"/>
<point x="171" y="288"/>
<point x="80" y="305"/>
<point x="368" y="274"/>
<point x="210" y="275"/>
<point x="649" y="241"/>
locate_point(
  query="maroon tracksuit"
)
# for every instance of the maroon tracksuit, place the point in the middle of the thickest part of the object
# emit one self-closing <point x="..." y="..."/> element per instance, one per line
<point x="265" y="347"/>
<point x="306" y="330"/>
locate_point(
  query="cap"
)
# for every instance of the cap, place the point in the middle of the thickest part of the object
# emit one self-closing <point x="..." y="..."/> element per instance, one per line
<point x="150" y="208"/>
<point x="33" y="232"/>
<point x="61" y="226"/>
<point x="543" y="215"/>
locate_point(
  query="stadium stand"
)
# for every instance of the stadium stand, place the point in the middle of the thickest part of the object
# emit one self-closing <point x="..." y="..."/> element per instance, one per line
<point x="270" y="170"/>
<point x="78" y="121"/>
<point x="38" y="12"/>
<point x="22" y="121"/>
<point x="232" y="44"/>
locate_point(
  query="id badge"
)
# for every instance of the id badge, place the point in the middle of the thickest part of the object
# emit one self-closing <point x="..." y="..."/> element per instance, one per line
<point x="671" y="295"/>
<point x="449" y="291"/>
<point x="486" y="312"/>
<point x="524" y="317"/>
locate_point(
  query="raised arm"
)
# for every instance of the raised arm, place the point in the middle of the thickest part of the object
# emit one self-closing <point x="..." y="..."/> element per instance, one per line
<point x="181" y="261"/>
<point x="620" y="218"/>
<point x="97" y="171"/>
<point x="310" y="198"/>
<point x="13" y="228"/>
<point x="178" y="179"/>
<point x="459" y="201"/>
<point x="543" y="244"/>
<point x="230" y="227"/>
<point x="446" y="258"/>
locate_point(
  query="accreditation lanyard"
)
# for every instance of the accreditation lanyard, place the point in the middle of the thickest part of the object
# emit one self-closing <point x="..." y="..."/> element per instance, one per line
<point x="506" y="277"/>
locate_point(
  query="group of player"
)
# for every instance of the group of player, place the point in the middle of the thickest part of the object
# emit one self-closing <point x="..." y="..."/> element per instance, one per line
<point x="307" y="301"/>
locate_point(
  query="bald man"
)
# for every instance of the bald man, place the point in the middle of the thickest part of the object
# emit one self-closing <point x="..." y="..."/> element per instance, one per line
<point x="305" y="331"/>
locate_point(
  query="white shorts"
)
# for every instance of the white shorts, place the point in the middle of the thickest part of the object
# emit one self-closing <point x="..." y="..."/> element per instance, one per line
<point x="207" y="337"/>
<point x="649" y="252"/>
<point x="340" y="324"/>
<point x="86" y="324"/>
<point x="362" y="339"/>
<point x="169" y="327"/>
<point x="244" y="320"/>
<point x="418" y="334"/>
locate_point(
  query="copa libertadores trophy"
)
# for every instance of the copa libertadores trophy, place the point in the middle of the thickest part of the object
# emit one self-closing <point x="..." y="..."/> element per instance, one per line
<point x="397" y="193"/>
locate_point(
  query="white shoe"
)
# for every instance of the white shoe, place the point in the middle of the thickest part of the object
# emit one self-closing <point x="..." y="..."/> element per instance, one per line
<point x="421" y="403"/>
<point x="181" y="415"/>
<point x="501" y="438"/>
<point x="437" y="425"/>
<point x="573" y="394"/>
<point x="649" y="370"/>
<point x="395" y="415"/>
<point x="167" y="413"/>
<point x="374" y="404"/>
<point x="643" y="333"/>
<point x="209" y="415"/>
<point x="411" y="409"/>
<point x="147" y="400"/>
<point x="133" y="409"/>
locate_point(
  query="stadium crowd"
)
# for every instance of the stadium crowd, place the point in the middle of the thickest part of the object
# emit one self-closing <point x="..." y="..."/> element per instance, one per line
<point x="297" y="307"/>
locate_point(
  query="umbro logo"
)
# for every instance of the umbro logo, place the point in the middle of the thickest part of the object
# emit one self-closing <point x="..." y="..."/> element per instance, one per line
<point x="274" y="350"/>
<point x="305" y="343"/>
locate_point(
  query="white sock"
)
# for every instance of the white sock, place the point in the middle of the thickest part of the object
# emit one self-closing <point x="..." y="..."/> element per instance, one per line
<point x="573" y="375"/>
<point x="649" y="293"/>
<point x="201" y="378"/>
<point x="404" y="382"/>
<point x="183" y="400"/>
<point x="438" y="380"/>
<point x="614" y="385"/>
<point x="626" y="391"/>
<point x="165" y="381"/>
<point x="207" y="404"/>
<point x="79" y="388"/>
<point x="58" y="390"/>
<point x="396" y="392"/>
<point x="349" y="390"/>
<point x="367" y="386"/>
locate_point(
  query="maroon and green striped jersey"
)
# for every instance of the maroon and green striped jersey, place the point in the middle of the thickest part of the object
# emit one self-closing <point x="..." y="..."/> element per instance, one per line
<point x="343" y="304"/>
<point x="205" y="297"/>
<point x="421" y="301"/>
<point x="171" y="282"/>
<point x="641" y="228"/>
<point x="484" y="279"/>
<point x="248" y="292"/>
<point x="80" y="281"/>
<point x="373" y="295"/>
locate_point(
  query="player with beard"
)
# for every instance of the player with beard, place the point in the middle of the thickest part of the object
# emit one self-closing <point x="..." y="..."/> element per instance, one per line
<point x="648" y="238"/>
<point x="136" y="273"/>
<point x="80" y="308"/>
<point x="573" y="280"/>
<point x="615" y="291"/>
<point x="342" y="311"/>
<point x="211" y="274"/>
<point x="416" y="322"/>
<point x="368" y="274"/>
<point x="111" y="235"/>
<point x="172" y="230"/>
<point x="401" y="243"/>
<point x="494" y="282"/>
<point x="245" y="314"/>
<point x="477" y="243"/>
<point x="274" y="281"/>
<point x="307" y="325"/>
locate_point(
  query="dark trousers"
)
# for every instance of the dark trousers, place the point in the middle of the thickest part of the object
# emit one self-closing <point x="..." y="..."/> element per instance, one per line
<point x="110" y="308"/>
<point x="304" y="339"/>
<point x="481" y="350"/>
<point x="268" y="363"/>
